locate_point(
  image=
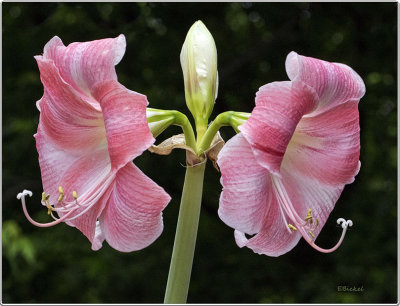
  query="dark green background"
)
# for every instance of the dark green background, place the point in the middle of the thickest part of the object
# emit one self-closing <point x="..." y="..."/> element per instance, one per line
<point x="56" y="265"/>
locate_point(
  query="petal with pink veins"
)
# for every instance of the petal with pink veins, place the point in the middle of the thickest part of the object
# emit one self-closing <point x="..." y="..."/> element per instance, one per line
<point x="334" y="83"/>
<point x="243" y="201"/>
<point x="279" y="108"/>
<point x="89" y="175"/>
<point x="69" y="121"/>
<point x="132" y="219"/>
<point x="326" y="147"/>
<point x="84" y="64"/>
<point x="127" y="131"/>
<point x="248" y="202"/>
<point x="274" y="238"/>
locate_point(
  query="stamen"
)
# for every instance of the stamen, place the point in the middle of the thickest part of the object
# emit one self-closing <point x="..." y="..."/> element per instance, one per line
<point x="75" y="196"/>
<point x="61" y="191"/>
<point x="49" y="208"/>
<point x="45" y="199"/>
<point x="21" y="196"/>
<point x="292" y="227"/>
<point x="308" y="215"/>
<point x="284" y="217"/>
<point x="284" y="200"/>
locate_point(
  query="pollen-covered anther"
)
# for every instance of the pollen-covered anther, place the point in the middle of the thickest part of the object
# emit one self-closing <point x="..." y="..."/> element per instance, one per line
<point x="75" y="196"/>
<point x="309" y="218"/>
<point x="61" y="191"/>
<point x="45" y="200"/>
<point x="292" y="227"/>
<point x="310" y="226"/>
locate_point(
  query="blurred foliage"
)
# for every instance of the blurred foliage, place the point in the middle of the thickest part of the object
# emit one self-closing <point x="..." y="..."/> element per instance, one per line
<point x="56" y="265"/>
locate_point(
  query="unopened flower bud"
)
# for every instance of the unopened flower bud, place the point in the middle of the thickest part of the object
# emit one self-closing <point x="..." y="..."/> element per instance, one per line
<point x="199" y="65"/>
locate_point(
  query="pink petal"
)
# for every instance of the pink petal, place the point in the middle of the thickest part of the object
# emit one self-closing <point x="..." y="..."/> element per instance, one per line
<point x="248" y="203"/>
<point x="309" y="193"/>
<point x="334" y="83"/>
<point x="87" y="174"/>
<point x="326" y="147"/>
<point x="85" y="64"/>
<point x="274" y="238"/>
<point x="279" y="108"/>
<point x="128" y="133"/>
<point x="243" y="201"/>
<point x="132" y="219"/>
<point x="87" y="221"/>
<point x="99" y="237"/>
<point x="69" y="121"/>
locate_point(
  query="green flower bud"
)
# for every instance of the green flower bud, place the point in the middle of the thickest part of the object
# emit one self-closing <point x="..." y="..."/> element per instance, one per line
<point x="199" y="66"/>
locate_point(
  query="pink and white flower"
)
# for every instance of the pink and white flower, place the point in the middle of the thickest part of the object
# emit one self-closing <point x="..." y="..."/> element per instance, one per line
<point x="90" y="129"/>
<point x="284" y="172"/>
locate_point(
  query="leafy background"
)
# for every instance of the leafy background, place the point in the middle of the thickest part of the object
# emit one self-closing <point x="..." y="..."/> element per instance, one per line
<point x="56" y="265"/>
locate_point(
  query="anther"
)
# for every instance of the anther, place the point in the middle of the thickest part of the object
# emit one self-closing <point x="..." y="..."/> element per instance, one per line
<point x="74" y="195"/>
<point x="292" y="227"/>
<point x="61" y="191"/>
<point x="311" y="233"/>
<point x="308" y="217"/>
<point x="49" y="208"/>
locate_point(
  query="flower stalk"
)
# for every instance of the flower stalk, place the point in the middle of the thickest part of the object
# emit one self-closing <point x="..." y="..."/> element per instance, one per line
<point x="185" y="237"/>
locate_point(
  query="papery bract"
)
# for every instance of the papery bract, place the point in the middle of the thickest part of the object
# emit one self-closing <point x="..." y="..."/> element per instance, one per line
<point x="90" y="129"/>
<point x="284" y="172"/>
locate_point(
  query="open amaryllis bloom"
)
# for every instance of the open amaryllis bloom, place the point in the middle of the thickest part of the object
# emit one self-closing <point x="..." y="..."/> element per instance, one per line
<point x="284" y="172"/>
<point x="90" y="129"/>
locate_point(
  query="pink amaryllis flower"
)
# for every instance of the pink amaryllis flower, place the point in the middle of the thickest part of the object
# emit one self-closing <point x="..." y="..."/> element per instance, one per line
<point x="284" y="172"/>
<point x="90" y="129"/>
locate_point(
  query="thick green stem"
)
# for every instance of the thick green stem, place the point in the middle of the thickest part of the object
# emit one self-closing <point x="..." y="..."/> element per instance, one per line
<point x="185" y="237"/>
